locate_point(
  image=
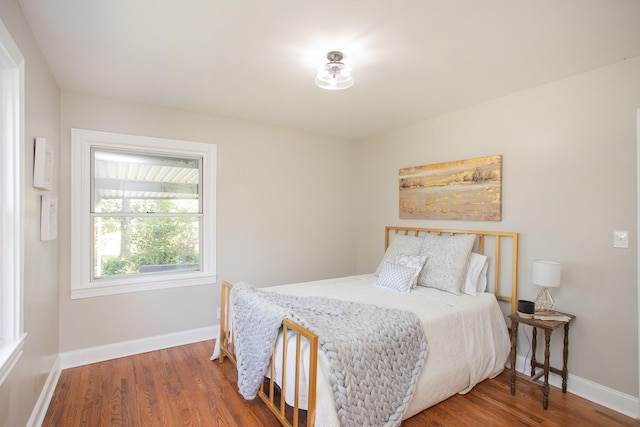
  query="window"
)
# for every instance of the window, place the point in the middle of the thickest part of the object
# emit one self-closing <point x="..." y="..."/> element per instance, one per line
<point x="11" y="135"/>
<point x="143" y="213"/>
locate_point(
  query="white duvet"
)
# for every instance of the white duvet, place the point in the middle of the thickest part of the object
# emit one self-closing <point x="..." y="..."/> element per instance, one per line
<point x="467" y="338"/>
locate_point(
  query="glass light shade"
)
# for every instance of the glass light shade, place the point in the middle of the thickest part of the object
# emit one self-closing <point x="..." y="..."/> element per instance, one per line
<point x="334" y="76"/>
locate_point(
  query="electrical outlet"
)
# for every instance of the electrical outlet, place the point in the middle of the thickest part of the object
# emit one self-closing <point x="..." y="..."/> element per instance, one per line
<point x="218" y="314"/>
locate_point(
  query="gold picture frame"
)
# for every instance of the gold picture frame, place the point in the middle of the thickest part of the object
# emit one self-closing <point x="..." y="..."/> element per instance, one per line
<point x="460" y="190"/>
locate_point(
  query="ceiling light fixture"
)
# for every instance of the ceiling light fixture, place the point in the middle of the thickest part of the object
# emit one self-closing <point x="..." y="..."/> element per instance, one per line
<point x="334" y="75"/>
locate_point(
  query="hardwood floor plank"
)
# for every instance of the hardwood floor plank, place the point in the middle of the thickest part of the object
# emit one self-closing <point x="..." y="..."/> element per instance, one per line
<point x="181" y="387"/>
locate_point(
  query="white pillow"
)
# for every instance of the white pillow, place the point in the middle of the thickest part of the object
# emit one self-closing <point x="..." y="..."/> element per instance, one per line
<point x="447" y="259"/>
<point x="401" y="244"/>
<point x="482" y="279"/>
<point x="475" y="281"/>
<point x="397" y="277"/>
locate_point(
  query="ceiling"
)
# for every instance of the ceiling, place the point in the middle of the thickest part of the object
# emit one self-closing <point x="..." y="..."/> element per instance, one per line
<point x="256" y="60"/>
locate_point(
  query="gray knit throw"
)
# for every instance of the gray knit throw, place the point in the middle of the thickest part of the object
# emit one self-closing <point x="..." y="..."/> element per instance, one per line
<point x="375" y="354"/>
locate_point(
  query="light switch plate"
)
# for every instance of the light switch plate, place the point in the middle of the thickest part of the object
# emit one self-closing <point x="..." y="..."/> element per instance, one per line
<point x="621" y="239"/>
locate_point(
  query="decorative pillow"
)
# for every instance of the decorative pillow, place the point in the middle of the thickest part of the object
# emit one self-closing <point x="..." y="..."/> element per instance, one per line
<point x="400" y="244"/>
<point x="397" y="277"/>
<point x="447" y="261"/>
<point x="413" y="261"/>
<point x="476" y="277"/>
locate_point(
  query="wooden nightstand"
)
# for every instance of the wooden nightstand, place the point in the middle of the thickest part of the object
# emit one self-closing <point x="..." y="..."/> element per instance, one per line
<point x="548" y="326"/>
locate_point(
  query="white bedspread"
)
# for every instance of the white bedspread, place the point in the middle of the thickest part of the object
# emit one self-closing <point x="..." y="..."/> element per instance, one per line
<point x="467" y="337"/>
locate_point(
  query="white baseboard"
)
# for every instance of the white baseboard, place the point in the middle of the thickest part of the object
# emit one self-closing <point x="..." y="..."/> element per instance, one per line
<point x="71" y="359"/>
<point x="40" y="410"/>
<point x="597" y="393"/>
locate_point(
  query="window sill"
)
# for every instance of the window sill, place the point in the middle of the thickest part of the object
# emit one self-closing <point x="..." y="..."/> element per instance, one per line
<point x="10" y="352"/>
<point x="96" y="290"/>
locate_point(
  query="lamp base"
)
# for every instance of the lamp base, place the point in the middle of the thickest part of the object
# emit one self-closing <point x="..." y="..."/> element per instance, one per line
<point x="544" y="301"/>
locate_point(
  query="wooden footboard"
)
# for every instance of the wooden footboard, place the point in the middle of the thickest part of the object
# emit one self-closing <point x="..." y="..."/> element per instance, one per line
<point x="272" y="393"/>
<point x="227" y="342"/>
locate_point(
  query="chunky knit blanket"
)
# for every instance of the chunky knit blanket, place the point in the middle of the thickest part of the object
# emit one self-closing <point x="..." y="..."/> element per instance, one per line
<point x="375" y="354"/>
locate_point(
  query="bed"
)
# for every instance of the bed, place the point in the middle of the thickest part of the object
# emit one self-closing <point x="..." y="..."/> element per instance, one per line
<point x="459" y="284"/>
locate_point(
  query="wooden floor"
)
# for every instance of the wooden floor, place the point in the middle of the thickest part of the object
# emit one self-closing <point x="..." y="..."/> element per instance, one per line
<point x="180" y="386"/>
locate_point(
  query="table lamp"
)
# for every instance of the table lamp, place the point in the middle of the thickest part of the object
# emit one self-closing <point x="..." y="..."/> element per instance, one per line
<point x="546" y="274"/>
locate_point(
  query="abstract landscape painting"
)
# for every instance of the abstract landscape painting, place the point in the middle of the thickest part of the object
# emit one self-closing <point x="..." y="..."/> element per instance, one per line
<point x="460" y="190"/>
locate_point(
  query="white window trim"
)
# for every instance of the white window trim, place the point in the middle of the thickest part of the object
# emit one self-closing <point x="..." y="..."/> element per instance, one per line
<point x="12" y="334"/>
<point x="82" y="141"/>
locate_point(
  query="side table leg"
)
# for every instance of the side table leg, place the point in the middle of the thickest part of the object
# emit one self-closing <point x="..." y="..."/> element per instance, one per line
<point x="514" y="344"/>
<point x="534" y="344"/>
<point x="565" y="356"/>
<point x="545" y="386"/>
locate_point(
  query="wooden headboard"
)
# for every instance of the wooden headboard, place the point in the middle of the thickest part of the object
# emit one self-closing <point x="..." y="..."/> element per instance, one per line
<point x="500" y="246"/>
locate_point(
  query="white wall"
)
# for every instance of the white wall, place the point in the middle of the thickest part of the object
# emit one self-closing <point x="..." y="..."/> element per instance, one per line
<point x="20" y="391"/>
<point x="569" y="180"/>
<point x="288" y="203"/>
<point x="285" y="214"/>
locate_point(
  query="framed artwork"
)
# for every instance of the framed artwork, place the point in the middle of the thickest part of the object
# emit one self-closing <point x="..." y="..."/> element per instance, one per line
<point x="48" y="218"/>
<point x="460" y="190"/>
<point x="43" y="165"/>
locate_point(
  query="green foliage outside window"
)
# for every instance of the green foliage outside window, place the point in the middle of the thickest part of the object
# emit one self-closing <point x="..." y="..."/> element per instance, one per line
<point x="149" y="240"/>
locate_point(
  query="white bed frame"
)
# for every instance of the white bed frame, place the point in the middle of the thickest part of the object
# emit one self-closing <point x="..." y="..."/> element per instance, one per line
<point x="501" y="248"/>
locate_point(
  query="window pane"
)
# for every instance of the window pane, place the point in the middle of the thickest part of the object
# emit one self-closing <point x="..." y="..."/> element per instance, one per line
<point x="125" y="245"/>
<point x="134" y="182"/>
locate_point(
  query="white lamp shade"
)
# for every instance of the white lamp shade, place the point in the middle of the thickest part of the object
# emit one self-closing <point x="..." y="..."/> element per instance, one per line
<point x="546" y="273"/>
